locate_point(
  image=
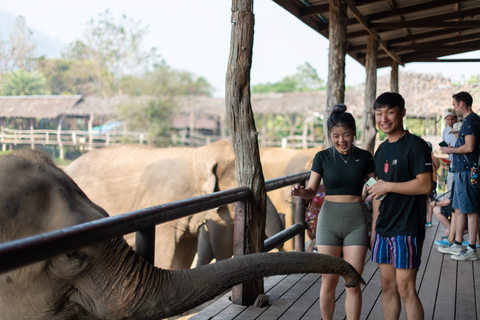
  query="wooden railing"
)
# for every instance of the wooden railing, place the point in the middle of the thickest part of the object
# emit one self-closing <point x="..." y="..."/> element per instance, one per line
<point x="69" y="137"/>
<point x="94" y="139"/>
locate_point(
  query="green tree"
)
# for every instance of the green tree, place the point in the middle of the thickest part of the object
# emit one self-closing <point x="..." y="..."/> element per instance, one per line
<point x="113" y="50"/>
<point x="21" y="83"/>
<point x="152" y="116"/>
<point x="67" y="76"/>
<point x="474" y="79"/>
<point x="306" y="79"/>
<point x="164" y="81"/>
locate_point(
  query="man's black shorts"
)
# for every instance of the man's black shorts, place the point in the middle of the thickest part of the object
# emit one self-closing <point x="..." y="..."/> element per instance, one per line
<point x="447" y="211"/>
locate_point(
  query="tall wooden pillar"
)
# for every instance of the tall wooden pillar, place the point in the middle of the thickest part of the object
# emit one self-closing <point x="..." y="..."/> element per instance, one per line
<point x="337" y="35"/>
<point x="394" y="77"/>
<point x="241" y="124"/>
<point x="369" y="130"/>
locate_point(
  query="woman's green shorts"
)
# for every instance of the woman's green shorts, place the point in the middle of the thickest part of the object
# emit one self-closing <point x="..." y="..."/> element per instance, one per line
<point x="342" y="224"/>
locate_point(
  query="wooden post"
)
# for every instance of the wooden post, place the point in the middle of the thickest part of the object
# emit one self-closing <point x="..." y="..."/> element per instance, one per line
<point x="241" y="124"/>
<point x="394" y="77"/>
<point x="59" y="138"/>
<point x="32" y="138"/>
<point x="369" y="130"/>
<point x="90" y="131"/>
<point x="337" y="30"/>
<point x="192" y="128"/>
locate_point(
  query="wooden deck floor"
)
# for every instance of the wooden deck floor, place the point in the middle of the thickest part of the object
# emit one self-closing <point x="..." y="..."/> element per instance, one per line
<point x="448" y="290"/>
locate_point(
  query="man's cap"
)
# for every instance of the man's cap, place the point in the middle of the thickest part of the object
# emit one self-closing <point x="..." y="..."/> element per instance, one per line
<point x="449" y="112"/>
<point x="456" y="127"/>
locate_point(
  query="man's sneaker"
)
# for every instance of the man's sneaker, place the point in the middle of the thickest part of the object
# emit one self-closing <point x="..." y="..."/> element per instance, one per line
<point x="453" y="249"/>
<point x="442" y="243"/>
<point x="467" y="254"/>
<point x="465" y="244"/>
<point x="428" y="224"/>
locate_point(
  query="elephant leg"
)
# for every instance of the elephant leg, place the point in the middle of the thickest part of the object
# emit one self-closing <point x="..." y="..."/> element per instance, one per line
<point x="204" y="248"/>
<point x="273" y="223"/>
<point x="175" y="246"/>
<point x="220" y="238"/>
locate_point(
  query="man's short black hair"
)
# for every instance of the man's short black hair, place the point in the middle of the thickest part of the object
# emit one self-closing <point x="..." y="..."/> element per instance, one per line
<point x="463" y="96"/>
<point x="390" y="100"/>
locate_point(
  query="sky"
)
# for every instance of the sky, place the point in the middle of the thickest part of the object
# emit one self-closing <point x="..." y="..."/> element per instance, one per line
<point x="194" y="36"/>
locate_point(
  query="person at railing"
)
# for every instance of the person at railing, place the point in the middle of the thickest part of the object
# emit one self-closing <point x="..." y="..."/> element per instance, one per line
<point x="342" y="222"/>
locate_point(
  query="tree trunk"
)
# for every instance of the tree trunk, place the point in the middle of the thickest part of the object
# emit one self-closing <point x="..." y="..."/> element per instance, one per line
<point x="369" y="130"/>
<point x="241" y="124"/>
<point x="337" y="30"/>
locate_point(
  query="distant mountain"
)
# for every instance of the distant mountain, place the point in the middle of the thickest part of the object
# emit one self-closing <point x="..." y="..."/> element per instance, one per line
<point x="48" y="46"/>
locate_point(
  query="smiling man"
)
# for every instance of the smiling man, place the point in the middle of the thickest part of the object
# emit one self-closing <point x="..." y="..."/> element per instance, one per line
<point x="404" y="171"/>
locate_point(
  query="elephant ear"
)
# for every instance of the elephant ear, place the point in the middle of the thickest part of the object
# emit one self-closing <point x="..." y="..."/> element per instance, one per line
<point x="210" y="183"/>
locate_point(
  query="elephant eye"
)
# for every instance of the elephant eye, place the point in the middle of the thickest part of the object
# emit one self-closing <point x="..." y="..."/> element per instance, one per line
<point x="77" y="255"/>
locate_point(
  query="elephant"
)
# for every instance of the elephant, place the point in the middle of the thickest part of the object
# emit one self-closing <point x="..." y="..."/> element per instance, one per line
<point x="131" y="177"/>
<point x="108" y="279"/>
<point x="278" y="162"/>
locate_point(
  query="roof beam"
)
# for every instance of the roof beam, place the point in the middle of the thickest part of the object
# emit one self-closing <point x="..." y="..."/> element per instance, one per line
<point x="438" y="47"/>
<point x="426" y="24"/>
<point x="444" y="41"/>
<point x="294" y="9"/>
<point x="312" y="11"/>
<point x="406" y="10"/>
<point x="436" y="21"/>
<point x="364" y="22"/>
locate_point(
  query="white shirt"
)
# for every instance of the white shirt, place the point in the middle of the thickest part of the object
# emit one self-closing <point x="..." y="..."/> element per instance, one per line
<point x="449" y="138"/>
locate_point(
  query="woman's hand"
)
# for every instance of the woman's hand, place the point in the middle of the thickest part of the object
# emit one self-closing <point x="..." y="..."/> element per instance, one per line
<point x="297" y="190"/>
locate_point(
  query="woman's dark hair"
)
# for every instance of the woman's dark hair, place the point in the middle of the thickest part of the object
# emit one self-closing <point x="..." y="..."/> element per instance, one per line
<point x="339" y="117"/>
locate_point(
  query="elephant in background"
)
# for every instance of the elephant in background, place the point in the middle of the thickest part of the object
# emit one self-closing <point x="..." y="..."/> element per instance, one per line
<point x="108" y="280"/>
<point x="131" y="177"/>
<point x="211" y="237"/>
<point x="278" y="162"/>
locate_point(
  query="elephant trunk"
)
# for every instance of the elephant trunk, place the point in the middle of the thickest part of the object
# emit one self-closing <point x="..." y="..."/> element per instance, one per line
<point x="182" y="290"/>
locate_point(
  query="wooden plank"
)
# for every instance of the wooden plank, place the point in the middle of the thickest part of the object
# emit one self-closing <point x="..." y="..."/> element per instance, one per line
<point x="308" y="302"/>
<point x="281" y="298"/>
<point x="446" y="289"/>
<point x="429" y="283"/>
<point x="307" y="295"/>
<point x="476" y="272"/>
<point x="216" y="308"/>
<point x="465" y="305"/>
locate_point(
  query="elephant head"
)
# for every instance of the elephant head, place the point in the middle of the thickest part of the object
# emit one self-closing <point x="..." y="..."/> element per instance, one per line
<point x="109" y="280"/>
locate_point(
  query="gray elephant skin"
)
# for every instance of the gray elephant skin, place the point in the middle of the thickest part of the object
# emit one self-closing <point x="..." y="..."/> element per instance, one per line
<point x="109" y="280"/>
<point x="131" y="177"/>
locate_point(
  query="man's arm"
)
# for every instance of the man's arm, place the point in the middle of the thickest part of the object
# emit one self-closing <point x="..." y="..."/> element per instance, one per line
<point x="422" y="184"/>
<point x="375" y="214"/>
<point x="468" y="147"/>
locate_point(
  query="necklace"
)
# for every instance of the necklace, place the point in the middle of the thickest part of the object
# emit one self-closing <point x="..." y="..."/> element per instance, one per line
<point x="344" y="160"/>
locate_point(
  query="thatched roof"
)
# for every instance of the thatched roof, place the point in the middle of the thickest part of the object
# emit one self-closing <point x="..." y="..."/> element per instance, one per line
<point x="51" y="107"/>
<point x="42" y="107"/>
<point x="425" y="96"/>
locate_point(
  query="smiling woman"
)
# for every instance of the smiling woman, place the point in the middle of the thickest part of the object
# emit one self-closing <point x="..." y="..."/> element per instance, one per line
<point x="344" y="169"/>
